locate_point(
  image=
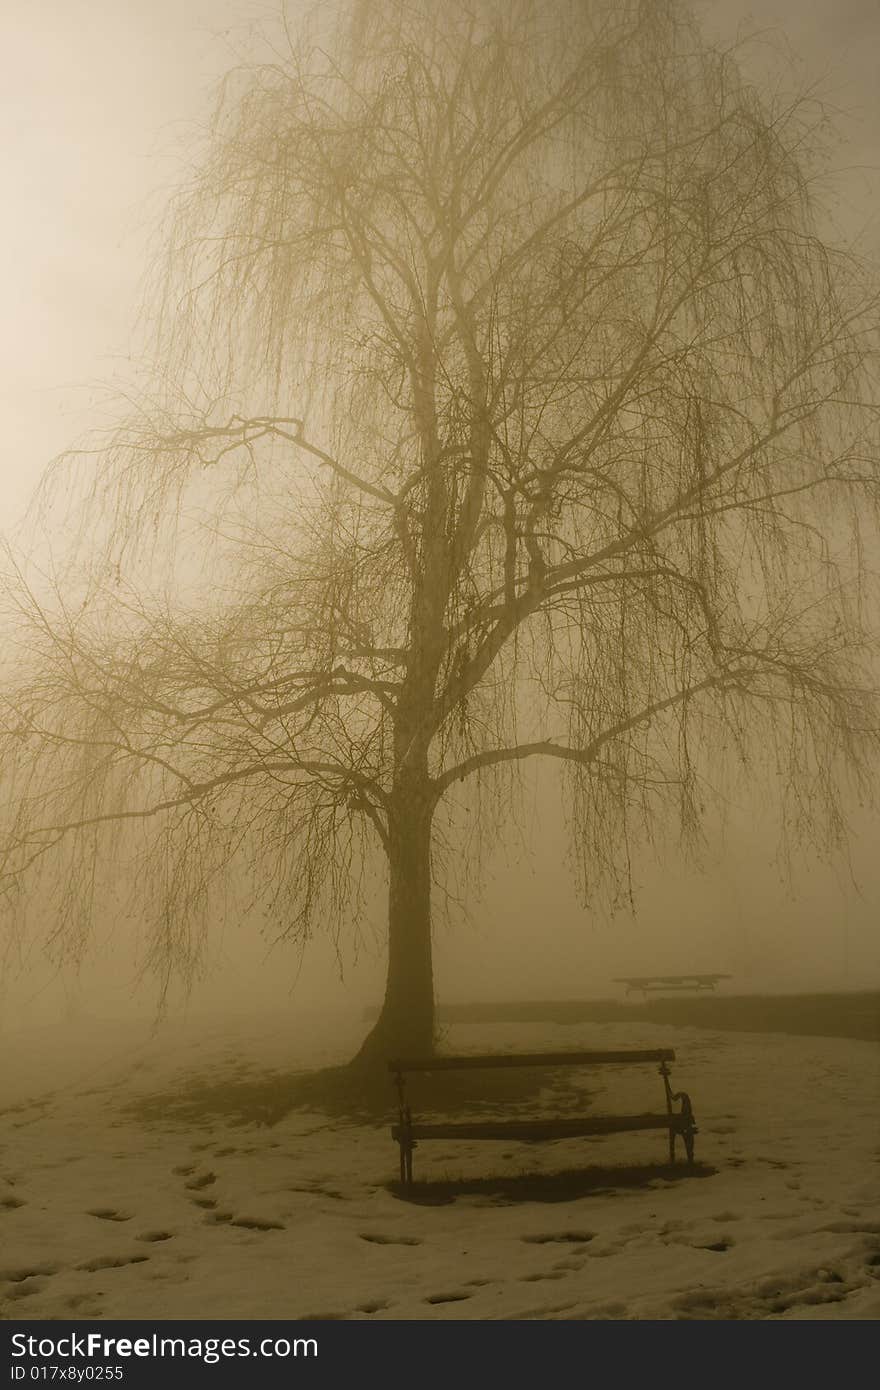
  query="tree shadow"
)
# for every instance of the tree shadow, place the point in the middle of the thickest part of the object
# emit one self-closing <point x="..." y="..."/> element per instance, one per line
<point x="363" y="1096"/>
<point x="263" y="1099"/>
<point x="565" y="1186"/>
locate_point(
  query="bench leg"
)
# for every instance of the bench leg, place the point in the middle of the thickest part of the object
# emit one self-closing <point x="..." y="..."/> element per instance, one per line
<point x="689" y="1144"/>
<point x="685" y="1118"/>
<point x="406" y="1147"/>
<point x="690" y="1127"/>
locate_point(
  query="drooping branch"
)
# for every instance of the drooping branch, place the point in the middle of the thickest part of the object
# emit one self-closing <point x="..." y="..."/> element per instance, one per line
<point x="509" y="405"/>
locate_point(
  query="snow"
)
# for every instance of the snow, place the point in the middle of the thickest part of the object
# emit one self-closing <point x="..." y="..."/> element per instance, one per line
<point x="116" y="1204"/>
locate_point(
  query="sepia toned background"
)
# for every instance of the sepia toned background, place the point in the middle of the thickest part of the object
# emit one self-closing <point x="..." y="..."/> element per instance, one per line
<point x="98" y="102"/>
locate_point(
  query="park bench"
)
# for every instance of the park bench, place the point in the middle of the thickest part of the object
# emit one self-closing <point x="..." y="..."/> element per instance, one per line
<point x="409" y="1132"/>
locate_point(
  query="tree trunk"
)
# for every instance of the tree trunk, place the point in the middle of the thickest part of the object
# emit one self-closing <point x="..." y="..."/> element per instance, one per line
<point x="406" y="1023"/>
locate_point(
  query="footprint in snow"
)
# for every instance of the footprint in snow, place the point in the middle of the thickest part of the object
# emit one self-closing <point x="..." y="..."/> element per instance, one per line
<point x="112" y="1262"/>
<point x="27" y="1288"/>
<point x="19" y="1275"/>
<point x="561" y="1237"/>
<point x="203" y="1180"/>
<point x="257" y="1223"/>
<point x="378" y="1239"/>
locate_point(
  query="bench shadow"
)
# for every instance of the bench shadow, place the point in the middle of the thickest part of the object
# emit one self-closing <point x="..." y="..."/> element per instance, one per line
<point x="565" y="1186"/>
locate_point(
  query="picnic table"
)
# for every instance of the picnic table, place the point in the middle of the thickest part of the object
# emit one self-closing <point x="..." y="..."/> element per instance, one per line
<point x="652" y="984"/>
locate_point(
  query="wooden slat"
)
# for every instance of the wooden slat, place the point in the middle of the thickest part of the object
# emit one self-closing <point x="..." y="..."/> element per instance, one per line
<point x="530" y="1059"/>
<point x="535" y="1130"/>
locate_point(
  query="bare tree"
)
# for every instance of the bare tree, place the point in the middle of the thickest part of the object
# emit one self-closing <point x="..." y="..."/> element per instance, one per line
<point x="528" y="412"/>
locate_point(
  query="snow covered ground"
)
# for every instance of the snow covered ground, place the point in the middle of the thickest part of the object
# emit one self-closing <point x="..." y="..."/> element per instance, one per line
<point x="115" y="1205"/>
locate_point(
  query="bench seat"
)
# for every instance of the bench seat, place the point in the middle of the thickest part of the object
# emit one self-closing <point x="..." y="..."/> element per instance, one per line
<point x="536" y="1130"/>
<point x="490" y="1060"/>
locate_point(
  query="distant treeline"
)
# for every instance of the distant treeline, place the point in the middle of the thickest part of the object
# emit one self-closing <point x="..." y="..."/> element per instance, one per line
<point x="855" y="1015"/>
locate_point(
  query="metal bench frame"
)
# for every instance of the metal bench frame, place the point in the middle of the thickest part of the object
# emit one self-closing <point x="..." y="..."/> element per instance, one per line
<point x="408" y="1133"/>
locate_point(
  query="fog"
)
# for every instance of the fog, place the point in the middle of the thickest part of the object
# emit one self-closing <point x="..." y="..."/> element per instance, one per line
<point x="97" y="101"/>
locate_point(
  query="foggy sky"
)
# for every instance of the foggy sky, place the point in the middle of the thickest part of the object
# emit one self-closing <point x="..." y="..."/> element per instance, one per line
<point x="95" y="98"/>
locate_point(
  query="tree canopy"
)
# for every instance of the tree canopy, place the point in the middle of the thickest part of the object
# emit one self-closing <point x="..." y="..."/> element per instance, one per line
<point x="507" y="404"/>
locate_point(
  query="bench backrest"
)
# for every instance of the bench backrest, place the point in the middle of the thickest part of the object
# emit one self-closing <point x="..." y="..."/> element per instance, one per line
<point x="530" y="1059"/>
